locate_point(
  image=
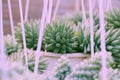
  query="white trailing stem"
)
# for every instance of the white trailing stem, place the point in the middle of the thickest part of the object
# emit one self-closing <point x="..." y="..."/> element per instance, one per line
<point x="23" y="32"/>
<point x="27" y="9"/>
<point x="37" y="53"/>
<point x="56" y="9"/>
<point x="102" y="38"/>
<point x="91" y="27"/>
<point x="49" y="11"/>
<point x="3" y="61"/>
<point x="11" y="21"/>
<point x="83" y="12"/>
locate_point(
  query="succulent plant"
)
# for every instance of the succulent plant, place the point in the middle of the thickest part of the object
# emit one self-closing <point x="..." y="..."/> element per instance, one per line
<point x="112" y="41"/>
<point x="62" y="68"/>
<point x="17" y="71"/>
<point x="19" y="56"/>
<point x="89" y="69"/>
<point x="77" y="18"/>
<point x="112" y="18"/>
<point x="83" y="39"/>
<point x="31" y="34"/>
<point x="10" y="47"/>
<point x="59" y="38"/>
<point x="41" y="66"/>
<point x="113" y="44"/>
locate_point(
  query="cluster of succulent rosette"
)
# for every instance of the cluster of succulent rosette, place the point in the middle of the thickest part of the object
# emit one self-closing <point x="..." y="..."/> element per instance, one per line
<point x="66" y="35"/>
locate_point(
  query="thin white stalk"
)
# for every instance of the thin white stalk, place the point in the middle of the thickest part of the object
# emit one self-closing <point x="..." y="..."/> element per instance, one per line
<point x="2" y="47"/>
<point x="83" y="12"/>
<point x="27" y="9"/>
<point x="77" y="5"/>
<point x="49" y="11"/>
<point x="11" y="21"/>
<point x="23" y="32"/>
<point x="3" y="60"/>
<point x="91" y="27"/>
<point x="37" y="53"/>
<point x="56" y="9"/>
<point x="102" y="38"/>
<point x="94" y="4"/>
<point x="109" y="5"/>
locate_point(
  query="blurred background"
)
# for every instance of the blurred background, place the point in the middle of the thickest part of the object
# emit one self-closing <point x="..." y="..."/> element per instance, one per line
<point x="35" y="10"/>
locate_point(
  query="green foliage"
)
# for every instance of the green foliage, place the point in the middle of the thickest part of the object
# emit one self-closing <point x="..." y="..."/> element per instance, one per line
<point x="18" y="56"/>
<point x="115" y="65"/>
<point x="63" y="68"/>
<point x="31" y="61"/>
<point x="59" y="38"/>
<point x="89" y="69"/>
<point x="41" y="66"/>
<point x="112" y="18"/>
<point x="31" y="34"/>
<point x="10" y="46"/>
<point x="83" y="39"/>
<point x="17" y="71"/>
<point x="112" y="41"/>
<point x="77" y="18"/>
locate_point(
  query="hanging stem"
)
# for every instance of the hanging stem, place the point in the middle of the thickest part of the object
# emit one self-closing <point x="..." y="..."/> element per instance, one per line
<point x="109" y="5"/>
<point x="77" y="5"/>
<point x="102" y="38"/>
<point x="2" y="52"/>
<point x="91" y="27"/>
<point x="49" y="11"/>
<point x="11" y="21"/>
<point x="23" y="32"/>
<point x="3" y="60"/>
<point x="94" y="4"/>
<point x="56" y="9"/>
<point x="83" y="12"/>
<point x="27" y="9"/>
<point x="37" y="53"/>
